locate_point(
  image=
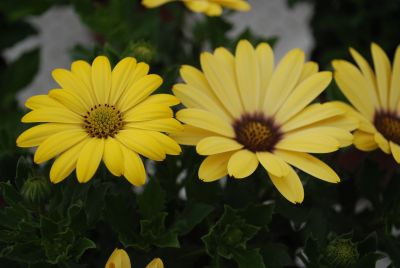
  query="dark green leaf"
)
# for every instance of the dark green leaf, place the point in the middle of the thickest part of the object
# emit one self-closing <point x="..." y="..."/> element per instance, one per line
<point x="192" y="215"/>
<point x="152" y="200"/>
<point x="248" y="258"/>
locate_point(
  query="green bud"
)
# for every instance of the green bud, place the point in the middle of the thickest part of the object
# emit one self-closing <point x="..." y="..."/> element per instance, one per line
<point x="36" y="190"/>
<point x="341" y="253"/>
<point x="142" y="51"/>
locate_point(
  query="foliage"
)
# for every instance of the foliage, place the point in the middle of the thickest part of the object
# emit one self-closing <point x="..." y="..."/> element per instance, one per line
<point x="175" y="216"/>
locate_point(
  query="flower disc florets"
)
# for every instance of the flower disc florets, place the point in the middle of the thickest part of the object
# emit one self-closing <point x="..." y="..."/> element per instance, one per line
<point x="103" y="121"/>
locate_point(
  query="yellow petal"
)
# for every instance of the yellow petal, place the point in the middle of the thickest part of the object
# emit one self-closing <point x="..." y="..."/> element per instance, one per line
<point x="382" y="71"/>
<point x="89" y="159"/>
<point x="247" y="74"/>
<point x="118" y="259"/>
<point x="283" y="80"/>
<point x="309" y="164"/>
<point x="394" y="99"/>
<point x="302" y="95"/>
<point x="58" y="143"/>
<point x="169" y="145"/>
<point x="193" y="98"/>
<point x="191" y="135"/>
<point x="265" y="58"/>
<point x="52" y="115"/>
<point x="310" y="115"/>
<point x="101" y="78"/>
<point x="309" y="143"/>
<point x="242" y="164"/>
<point x="237" y="5"/>
<point x="310" y="68"/>
<point x="363" y="123"/>
<point x="73" y="82"/>
<point x="112" y="157"/>
<point x="382" y="142"/>
<point x="344" y="137"/>
<point x="213" y="9"/>
<point x="216" y="145"/>
<point x="354" y="86"/>
<point x="134" y="170"/>
<point x="205" y="120"/>
<point x="148" y="112"/>
<point x="162" y="99"/>
<point x="120" y="78"/>
<point x="169" y="125"/>
<point x="197" y="6"/>
<point x="290" y="186"/>
<point x="66" y="163"/>
<point x="221" y="82"/>
<point x="273" y="164"/>
<point x="369" y="76"/>
<point x="37" y="134"/>
<point x="196" y="79"/>
<point x="214" y="167"/>
<point x="83" y="70"/>
<point x="155" y="263"/>
<point x="138" y="141"/>
<point x="364" y="141"/>
<point x="139" y="91"/>
<point x="395" y="151"/>
<point x="70" y="100"/>
<point x="41" y="101"/>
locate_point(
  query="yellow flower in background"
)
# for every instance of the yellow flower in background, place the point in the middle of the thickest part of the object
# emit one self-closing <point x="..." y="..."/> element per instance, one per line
<point x="243" y="111"/>
<point x="120" y="259"/>
<point x="101" y="114"/>
<point x="209" y="7"/>
<point x="375" y="96"/>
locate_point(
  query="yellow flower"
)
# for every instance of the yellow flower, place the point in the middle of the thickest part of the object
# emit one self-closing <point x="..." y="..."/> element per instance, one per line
<point x="101" y="114"/>
<point x="376" y="96"/>
<point x="120" y="259"/>
<point x="243" y="111"/>
<point x="209" y="7"/>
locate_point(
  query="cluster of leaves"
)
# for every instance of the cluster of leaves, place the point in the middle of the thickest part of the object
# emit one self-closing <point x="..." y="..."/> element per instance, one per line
<point x="175" y="216"/>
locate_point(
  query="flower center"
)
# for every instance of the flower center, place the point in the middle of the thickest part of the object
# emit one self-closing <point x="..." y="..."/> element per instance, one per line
<point x="388" y="125"/>
<point x="256" y="132"/>
<point x="103" y="121"/>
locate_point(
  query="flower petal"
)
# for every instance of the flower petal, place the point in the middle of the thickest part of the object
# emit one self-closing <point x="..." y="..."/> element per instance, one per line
<point x="155" y="263"/>
<point x="89" y="159"/>
<point x="309" y="143"/>
<point x="169" y="125"/>
<point x="134" y="170"/>
<point x="364" y="141"/>
<point x="310" y="68"/>
<point x="52" y="115"/>
<point x="112" y="156"/>
<point x="41" y="101"/>
<point x="242" y="164"/>
<point x="120" y="78"/>
<point x="309" y="164"/>
<point x="343" y="136"/>
<point x="162" y="99"/>
<point x="216" y="145"/>
<point x="214" y="167"/>
<point x="382" y="142"/>
<point x="191" y="135"/>
<point x="118" y="259"/>
<point x="394" y="98"/>
<point x="290" y="186"/>
<point x="382" y="71"/>
<point x="273" y="164"/>
<point x="265" y="58"/>
<point x="395" y="151"/>
<point x="169" y="145"/>
<point x="70" y="100"/>
<point x="148" y="112"/>
<point x="101" y="79"/>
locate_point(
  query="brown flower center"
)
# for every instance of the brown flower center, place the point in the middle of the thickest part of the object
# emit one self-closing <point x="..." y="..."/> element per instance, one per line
<point x="388" y="125"/>
<point x="256" y="132"/>
<point x="103" y="121"/>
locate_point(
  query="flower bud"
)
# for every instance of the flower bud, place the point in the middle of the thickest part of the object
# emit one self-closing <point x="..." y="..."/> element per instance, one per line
<point x="341" y="253"/>
<point x="142" y="51"/>
<point x="36" y="190"/>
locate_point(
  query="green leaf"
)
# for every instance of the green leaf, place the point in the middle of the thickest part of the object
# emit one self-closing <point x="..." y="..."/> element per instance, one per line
<point x="192" y="215"/>
<point x="81" y="246"/>
<point x="258" y="214"/>
<point x="248" y="258"/>
<point x="152" y="200"/>
<point x="95" y="202"/>
<point x="9" y="193"/>
<point x="16" y="10"/>
<point x="24" y="167"/>
<point x="167" y="240"/>
<point x="276" y="255"/>
<point x="369" y="260"/>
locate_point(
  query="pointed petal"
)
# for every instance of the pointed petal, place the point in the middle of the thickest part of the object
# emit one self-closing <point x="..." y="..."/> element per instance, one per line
<point x="101" y="78"/>
<point x="120" y="78"/>
<point x="89" y="159"/>
<point x="290" y="186"/>
<point x="216" y="145"/>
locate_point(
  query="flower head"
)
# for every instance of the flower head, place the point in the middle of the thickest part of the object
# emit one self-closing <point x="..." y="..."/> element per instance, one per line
<point x="120" y="259"/>
<point x="376" y="98"/>
<point x="101" y="114"/>
<point x="242" y="111"/>
<point x="209" y="7"/>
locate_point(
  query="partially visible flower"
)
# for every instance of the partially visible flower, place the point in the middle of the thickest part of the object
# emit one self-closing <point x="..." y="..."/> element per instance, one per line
<point x="120" y="259"/>
<point x="99" y="114"/>
<point x="376" y="98"/>
<point x="242" y="111"/>
<point x="209" y="7"/>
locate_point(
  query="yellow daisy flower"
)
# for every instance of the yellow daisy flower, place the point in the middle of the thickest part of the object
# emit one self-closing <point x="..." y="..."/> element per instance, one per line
<point x="375" y="96"/>
<point x="209" y="7"/>
<point x="243" y="111"/>
<point x="120" y="259"/>
<point x="101" y="114"/>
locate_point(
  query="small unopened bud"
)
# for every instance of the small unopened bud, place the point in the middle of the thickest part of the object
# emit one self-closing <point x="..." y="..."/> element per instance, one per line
<point x="341" y="253"/>
<point x="142" y="51"/>
<point x="36" y="190"/>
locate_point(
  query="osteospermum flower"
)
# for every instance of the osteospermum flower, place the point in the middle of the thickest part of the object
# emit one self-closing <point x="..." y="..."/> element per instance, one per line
<point x="243" y="111"/>
<point x="209" y="7"/>
<point x="120" y="259"/>
<point x="376" y="97"/>
<point x="101" y="114"/>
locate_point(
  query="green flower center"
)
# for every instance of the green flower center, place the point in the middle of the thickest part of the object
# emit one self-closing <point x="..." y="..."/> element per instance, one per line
<point x="388" y="125"/>
<point x="103" y="121"/>
<point x="256" y="132"/>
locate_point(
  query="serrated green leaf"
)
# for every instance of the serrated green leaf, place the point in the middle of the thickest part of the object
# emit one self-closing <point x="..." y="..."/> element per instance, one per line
<point x="9" y="193"/>
<point x="81" y="246"/>
<point x="248" y="258"/>
<point x="152" y="200"/>
<point x="258" y="214"/>
<point x="276" y="255"/>
<point x="192" y="215"/>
